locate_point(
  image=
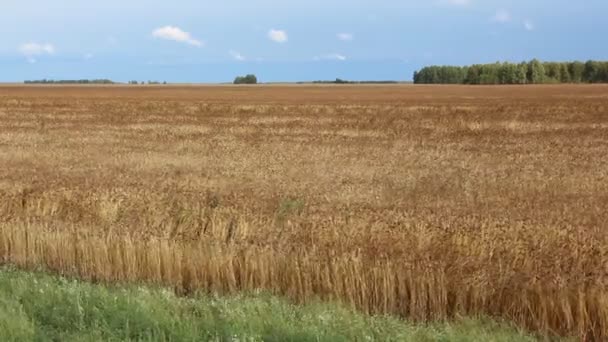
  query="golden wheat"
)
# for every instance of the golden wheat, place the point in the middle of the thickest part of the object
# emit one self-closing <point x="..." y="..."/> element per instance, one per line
<point x="425" y="202"/>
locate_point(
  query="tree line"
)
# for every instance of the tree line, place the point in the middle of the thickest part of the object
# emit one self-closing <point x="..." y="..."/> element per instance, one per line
<point x="134" y="82"/>
<point x="45" y="81"/>
<point x="341" y="81"/>
<point x="532" y="72"/>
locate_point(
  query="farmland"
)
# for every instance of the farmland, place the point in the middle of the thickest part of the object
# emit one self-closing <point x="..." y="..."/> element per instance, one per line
<point x="424" y="202"/>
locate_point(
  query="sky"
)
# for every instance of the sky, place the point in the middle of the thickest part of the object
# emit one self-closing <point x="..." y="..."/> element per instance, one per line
<point x="296" y="40"/>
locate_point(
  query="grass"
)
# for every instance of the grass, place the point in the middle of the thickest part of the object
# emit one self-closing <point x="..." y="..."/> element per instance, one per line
<point x="40" y="307"/>
<point x="426" y="203"/>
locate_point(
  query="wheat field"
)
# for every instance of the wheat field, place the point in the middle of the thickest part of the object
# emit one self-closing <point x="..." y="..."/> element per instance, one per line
<point x="426" y="202"/>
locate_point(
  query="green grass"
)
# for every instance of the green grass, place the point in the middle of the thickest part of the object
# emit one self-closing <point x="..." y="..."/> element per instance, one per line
<point x="40" y="307"/>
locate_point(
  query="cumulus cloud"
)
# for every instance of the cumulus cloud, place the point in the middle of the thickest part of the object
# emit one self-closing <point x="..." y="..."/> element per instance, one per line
<point x="33" y="50"/>
<point x="279" y="36"/>
<point x="330" y="57"/>
<point x="502" y="16"/>
<point x="176" y="34"/>
<point x="237" y="55"/>
<point x="529" y="25"/>
<point x="347" y="37"/>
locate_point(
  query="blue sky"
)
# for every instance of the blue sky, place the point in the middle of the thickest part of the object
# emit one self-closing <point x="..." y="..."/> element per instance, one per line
<point x="213" y="41"/>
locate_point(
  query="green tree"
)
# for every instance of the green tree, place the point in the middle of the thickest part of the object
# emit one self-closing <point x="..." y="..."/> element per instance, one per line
<point x="565" y="73"/>
<point x="576" y="70"/>
<point x="552" y="72"/>
<point x="490" y="74"/>
<point x="522" y="73"/>
<point x="248" y="79"/>
<point x="536" y="72"/>
<point x="603" y="75"/>
<point x="592" y="72"/>
<point x="473" y="74"/>
<point x="509" y="73"/>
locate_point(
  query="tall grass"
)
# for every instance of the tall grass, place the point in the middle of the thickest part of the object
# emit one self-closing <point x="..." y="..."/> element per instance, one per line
<point x="38" y="307"/>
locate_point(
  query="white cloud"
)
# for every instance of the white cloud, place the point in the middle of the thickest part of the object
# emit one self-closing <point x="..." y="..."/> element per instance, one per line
<point x="347" y="37"/>
<point x="237" y="55"/>
<point x="330" y="57"/>
<point x="278" y="36"/>
<point x="176" y="34"/>
<point x="529" y="25"/>
<point x="33" y="50"/>
<point x="88" y="56"/>
<point x="502" y="16"/>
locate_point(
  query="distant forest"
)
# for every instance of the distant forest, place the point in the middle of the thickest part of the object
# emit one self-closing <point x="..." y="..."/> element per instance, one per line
<point x="341" y="81"/>
<point x="533" y="72"/>
<point x="100" y="81"/>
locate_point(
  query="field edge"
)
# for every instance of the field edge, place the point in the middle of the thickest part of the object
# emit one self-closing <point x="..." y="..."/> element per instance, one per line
<point x="36" y="305"/>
